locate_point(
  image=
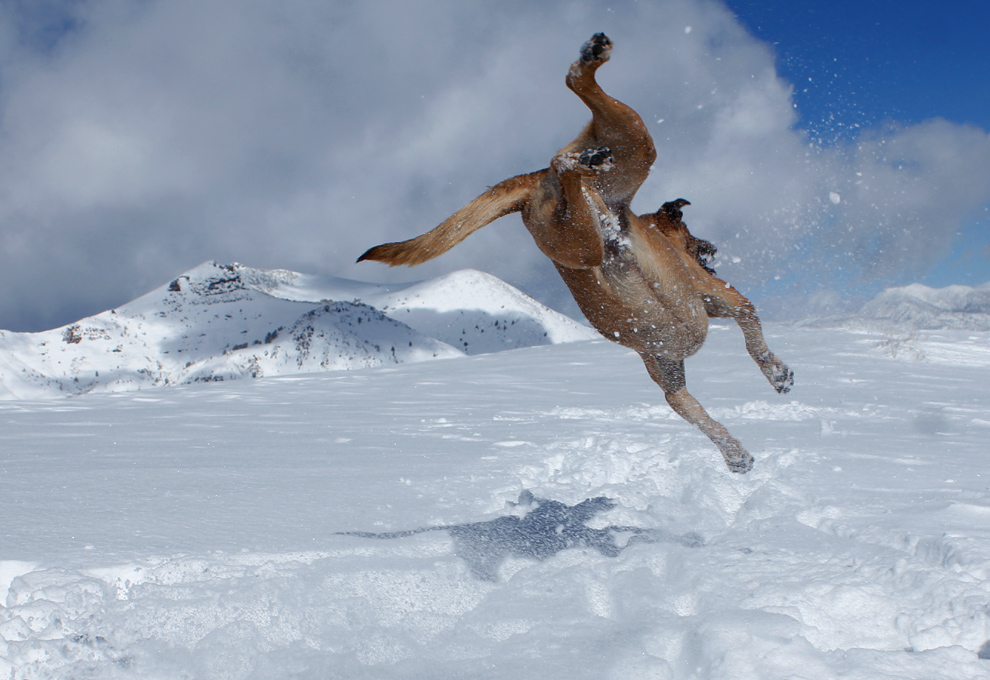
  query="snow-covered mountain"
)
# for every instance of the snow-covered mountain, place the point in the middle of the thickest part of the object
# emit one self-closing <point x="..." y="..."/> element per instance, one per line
<point x="222" y="322"/>
<point x="923" y="308"/>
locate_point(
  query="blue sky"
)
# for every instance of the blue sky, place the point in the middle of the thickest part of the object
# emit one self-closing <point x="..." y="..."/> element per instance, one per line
<point x="908" y="60"/>
<point x="856" y="64"/>
<point x="830" y="149"/>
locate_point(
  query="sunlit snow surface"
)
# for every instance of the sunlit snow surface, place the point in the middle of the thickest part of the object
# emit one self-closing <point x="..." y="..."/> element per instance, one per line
<point x="193" y="531"/>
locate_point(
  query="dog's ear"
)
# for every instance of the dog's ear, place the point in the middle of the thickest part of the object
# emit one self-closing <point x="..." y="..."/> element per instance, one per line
<point x="672" y="209"/>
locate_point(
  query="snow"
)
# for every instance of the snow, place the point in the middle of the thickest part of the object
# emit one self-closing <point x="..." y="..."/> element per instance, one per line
<point x="201" y="530"/>
<point x="224" y="322"/>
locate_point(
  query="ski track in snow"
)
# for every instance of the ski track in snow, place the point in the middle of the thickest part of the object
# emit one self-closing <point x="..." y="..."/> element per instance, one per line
<point x="189" y="532"/>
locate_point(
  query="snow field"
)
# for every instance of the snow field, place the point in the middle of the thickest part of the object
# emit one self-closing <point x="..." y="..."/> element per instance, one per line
<point x="191" y="531"/>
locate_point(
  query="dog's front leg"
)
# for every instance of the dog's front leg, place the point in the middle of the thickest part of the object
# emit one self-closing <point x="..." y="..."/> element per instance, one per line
<point x="565" y="216"/>
<point x="724" y="301"/>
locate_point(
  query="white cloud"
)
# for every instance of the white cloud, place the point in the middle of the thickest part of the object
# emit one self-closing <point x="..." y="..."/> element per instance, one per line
<point x="154" y="135"/>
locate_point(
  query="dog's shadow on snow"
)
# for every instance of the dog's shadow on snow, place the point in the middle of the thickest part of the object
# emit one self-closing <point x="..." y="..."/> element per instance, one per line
<point x="545" y="530"/>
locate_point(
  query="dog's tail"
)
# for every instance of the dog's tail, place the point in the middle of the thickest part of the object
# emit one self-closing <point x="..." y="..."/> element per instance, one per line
<point x="502" y="199"/>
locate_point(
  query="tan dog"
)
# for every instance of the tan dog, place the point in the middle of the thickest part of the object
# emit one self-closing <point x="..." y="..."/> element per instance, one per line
<point x="641" y="281"/>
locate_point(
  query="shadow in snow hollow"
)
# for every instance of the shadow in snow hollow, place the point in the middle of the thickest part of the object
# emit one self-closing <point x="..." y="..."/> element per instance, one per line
<point x="542" y="532"/>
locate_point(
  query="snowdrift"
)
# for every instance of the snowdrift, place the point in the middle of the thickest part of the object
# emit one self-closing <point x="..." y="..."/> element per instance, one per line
<point x="223" y="322"/>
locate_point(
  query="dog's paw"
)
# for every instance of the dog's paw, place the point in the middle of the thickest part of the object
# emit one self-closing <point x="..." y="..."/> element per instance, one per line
<point x="737" y="459"/>
<point x="777" y="372"/>
<point x="597" y="159"/>
<point x="740" y="466"/>
<point x="587" y="163"/>
<point x="599" y="48"/>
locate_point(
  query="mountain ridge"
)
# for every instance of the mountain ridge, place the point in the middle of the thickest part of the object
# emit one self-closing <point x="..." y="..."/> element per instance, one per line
<point x="228" y="321"/>
<point x="921" y="307"/>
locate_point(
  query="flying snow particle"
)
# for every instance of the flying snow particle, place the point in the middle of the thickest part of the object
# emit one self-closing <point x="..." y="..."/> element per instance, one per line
<point x="687" y="29"/>
<point x="834" y="197"/>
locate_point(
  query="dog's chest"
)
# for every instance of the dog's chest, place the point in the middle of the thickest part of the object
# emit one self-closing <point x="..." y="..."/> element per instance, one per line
<point x="614" y="226"/>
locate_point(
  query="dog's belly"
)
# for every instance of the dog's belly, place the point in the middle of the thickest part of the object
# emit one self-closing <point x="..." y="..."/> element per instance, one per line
<point x="625" y="307"/>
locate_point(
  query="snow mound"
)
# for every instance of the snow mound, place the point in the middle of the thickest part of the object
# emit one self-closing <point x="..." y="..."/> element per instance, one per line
<point x="478" y="314"/>
<point x="224" y="322"/>
<point x="919" y="307"/>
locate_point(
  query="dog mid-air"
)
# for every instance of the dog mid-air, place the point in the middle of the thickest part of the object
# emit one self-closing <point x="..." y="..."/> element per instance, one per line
<point x="642" y="281"/>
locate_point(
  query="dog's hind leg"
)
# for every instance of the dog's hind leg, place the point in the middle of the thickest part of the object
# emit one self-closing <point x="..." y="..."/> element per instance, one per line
<point x="669" y="374"/>
<point x="614" y="125"/>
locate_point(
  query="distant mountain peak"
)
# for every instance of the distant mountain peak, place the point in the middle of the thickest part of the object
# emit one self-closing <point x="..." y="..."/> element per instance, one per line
<point x="920" y="307"/>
